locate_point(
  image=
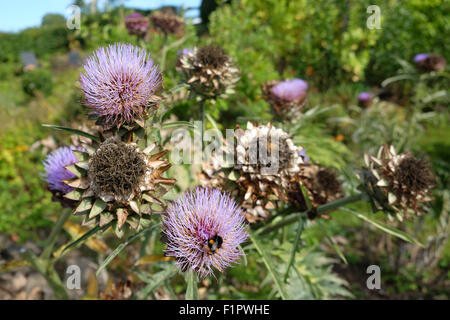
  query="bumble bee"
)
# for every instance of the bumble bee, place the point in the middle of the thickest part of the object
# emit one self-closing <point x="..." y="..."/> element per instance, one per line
<point x="214" y="244"/>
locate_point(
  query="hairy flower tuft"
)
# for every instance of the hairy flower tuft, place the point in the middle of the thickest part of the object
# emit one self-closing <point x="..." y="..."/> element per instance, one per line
<point x="204" y="229"/>
<point x="119" y="83"/>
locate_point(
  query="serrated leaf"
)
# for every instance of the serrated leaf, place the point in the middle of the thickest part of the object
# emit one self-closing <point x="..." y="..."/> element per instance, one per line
<point x="122" y="246"/>
<point x="333" y="243"/>
<point x="177" y="124"/>
<point x="73" y="131"/>
<point x="85" y="236"/>
<point x="268" y="262"/>
<point x="392" y="231"/>
<point x="157" y="280"/>
<point x="97" y="208"/>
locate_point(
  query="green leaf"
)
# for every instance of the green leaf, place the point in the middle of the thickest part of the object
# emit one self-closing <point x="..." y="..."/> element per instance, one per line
<point x="396" y="78"/>
<point x="97" y="208"/>
<point x="85" y="236"/>
<point x="177" y="124"/>
<point x="157" y="280"/>
<point x="212" y="122"/>
<point x="244" y="256"/>
<point x="73" y="131"/>
<point x="392" y="231"/>
<point x="332" y="242"/>
<point x="300" y="228"/>
<point x="270" y="267"/>
<point x="192" y="289"/>
<point x="122" y="246"/>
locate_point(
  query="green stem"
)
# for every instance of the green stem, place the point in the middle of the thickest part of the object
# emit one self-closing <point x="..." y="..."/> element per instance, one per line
<point x="48" y="249"/>
<point x="301" y="227"/>
<point x="192" y="287"/>
<point x="320" y="209"/>
<point x="49" y="273"/>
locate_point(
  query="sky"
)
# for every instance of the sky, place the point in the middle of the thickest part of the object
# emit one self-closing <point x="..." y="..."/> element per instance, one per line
<point x="16" y="15"/>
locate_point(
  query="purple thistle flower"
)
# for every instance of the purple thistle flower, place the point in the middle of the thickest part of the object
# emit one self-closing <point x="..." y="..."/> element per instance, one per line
<point x="364" y="99"/>
<point x="137" y="24"/>
<point x="290" y="90"/>
<point x="421" y="57"/>
<point x="364" y="96"/>
<point x="204" y="228"/>
<point x="55" y="171"/>
<point x="119" y="83"/>
<point x="133" y="16"/>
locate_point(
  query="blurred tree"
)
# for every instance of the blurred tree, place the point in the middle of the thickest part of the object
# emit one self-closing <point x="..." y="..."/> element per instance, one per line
<point x="53" y="19"/>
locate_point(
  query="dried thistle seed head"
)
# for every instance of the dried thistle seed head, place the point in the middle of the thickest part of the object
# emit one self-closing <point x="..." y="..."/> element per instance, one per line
<point x="322" y="184"/>
<point x="168" y="22"/>
<point x="116" y="169"/>
<point x="397" y="183"/>
<point x="209" y="72"/>
<point x="212" y="56"/>
<point x="413" y="174"/>
<point x="328" y="180"/>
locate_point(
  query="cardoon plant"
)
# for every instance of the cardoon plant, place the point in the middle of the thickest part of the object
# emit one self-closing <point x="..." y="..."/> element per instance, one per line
<point x="203" y="230"/>
<point x="168" y="22"/>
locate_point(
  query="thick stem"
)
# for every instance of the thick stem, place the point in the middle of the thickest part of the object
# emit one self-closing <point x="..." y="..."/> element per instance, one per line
<point x="54" y="234"/>
<point x="323" y="208"/>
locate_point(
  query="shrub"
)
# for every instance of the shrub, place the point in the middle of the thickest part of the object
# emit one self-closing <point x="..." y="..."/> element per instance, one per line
<point x="37" y="80"/>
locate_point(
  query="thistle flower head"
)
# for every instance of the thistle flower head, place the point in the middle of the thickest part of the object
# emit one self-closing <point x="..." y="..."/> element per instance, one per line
<point x="209" y="72"/>
<point x="420" y="57"/>
<point x="428" y="62"/>
<point x="119" y="83"/>
<point x="119" y="183"/>
<point x="55" y="171"/>
<point x="364" y="99"/>
<point x="266" y="164"/>
<point x="204" y="228"/>
<point x="290" y="90"/>
<point x="286" y="98"/>
<point x="137" y="24"/>
<point x="398" y="183"/>
<point x="168" y="22"/>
